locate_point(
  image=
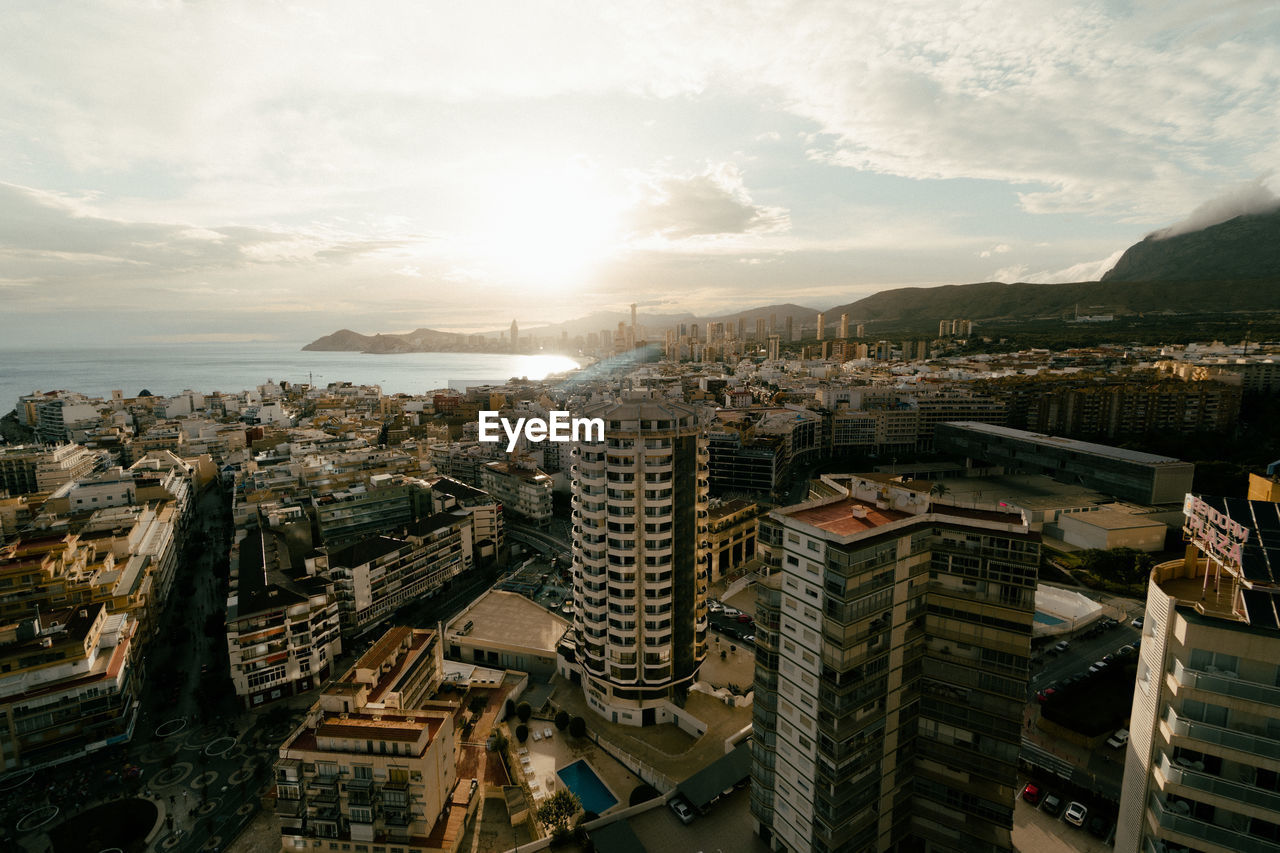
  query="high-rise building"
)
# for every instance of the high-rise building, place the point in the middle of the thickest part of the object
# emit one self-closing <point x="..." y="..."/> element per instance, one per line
<point x="891" y="672"/>
<point x="515" y="336"/>
<point x="639" y="559"/>
<point x="844" y="326"/>
<point x="1202" y="771"/>
<point x="791" y="335"/>
<point x="862" y="330"/>
<point x="821" y="325"/>
<point x="760" y="330"/>
<point x="773" y="347"/>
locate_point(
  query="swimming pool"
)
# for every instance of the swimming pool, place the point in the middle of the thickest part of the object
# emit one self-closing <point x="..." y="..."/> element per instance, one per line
<point x="587" y="787"/>
<point x="1046" y="619"/>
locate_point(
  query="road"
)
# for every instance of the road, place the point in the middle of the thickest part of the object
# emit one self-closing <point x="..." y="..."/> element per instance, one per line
<point x="1077" y="659"/>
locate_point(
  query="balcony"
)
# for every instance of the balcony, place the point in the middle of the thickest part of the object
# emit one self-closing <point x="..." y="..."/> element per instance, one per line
<point x="1225" y="684"/>
<point x="1171" y="817"/>
<point x="1254" y="744"/>
<point x="1187" y="776"/>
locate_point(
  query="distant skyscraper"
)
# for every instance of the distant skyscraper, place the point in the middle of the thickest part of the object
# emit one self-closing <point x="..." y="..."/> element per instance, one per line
<point x="515" y="336"/>
<point x="773" y="348"/>
<point x="742" y="328"/>
<point x="844" y="326"/>
<point x="821" y="325"/>
<point x="790" y="324"/>
<point x="639" y="559"/>
<point x="773" y="323"/>
<point x="760" y="330"/>
<point x="862" y="330"/>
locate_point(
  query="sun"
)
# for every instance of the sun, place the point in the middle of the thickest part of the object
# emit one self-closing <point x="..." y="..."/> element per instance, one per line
<point x="546" y="228"/>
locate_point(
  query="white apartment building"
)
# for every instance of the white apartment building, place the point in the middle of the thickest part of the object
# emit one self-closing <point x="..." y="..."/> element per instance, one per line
<point x="640" y="559"/>
<point x="1202" y="771"/>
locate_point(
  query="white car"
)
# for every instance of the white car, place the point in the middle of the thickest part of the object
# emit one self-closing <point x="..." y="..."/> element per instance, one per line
<point x="1118" y="739"/>
<point x="1137" y="623"/>
<point x="1075" y="814"/>
<point x="682" y="810"/>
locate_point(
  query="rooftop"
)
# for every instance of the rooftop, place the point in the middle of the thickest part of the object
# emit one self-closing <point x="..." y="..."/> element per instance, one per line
<point x="1100" y="450"/>
<point x="509" y="618"/>
<point x="847" y="516"/>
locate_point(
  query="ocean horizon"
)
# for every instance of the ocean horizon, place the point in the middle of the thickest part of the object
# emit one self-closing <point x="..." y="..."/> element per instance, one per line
<point x="165" y="369"/>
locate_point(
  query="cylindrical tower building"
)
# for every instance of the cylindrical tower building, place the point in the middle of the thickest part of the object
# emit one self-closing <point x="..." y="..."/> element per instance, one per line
<point x="640" y="558"/>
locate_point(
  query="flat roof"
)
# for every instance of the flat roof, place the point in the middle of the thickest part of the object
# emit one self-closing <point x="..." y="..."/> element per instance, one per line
<point x="499" y="616"/>
<point x="1103" y="450"/>
<point x="1113" y="519"/>
<point x="838" y="517"/>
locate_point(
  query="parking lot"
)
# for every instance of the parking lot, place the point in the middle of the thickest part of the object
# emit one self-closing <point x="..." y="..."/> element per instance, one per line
<point x="1043" y="832"/>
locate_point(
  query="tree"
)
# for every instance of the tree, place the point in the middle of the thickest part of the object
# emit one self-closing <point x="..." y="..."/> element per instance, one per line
<point x="524" y="712"/>
<point x="510" y="708"/>
<point x="522" y="733"/>
<point x="938" y="490"/>
<point x="578" y="727"/>
<point x="556" y="811"/>
<point x="642" y="793"/>
<point x="562" y="720"/>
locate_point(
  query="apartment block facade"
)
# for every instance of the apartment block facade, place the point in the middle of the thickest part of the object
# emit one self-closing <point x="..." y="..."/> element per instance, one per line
<point x="891" y="671"/>
<point x="1202" y="771"/>
<point x="640" y="559"/>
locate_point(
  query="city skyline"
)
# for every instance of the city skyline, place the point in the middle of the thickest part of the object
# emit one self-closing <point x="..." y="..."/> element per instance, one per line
<point x="234" y="172"/>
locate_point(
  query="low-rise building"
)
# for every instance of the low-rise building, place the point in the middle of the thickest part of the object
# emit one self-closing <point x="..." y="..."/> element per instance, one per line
<point x="505" y="630"/>
<point x="524" y="491"/>
<point x="67" y="685"/>
<point x="731" y="534"/>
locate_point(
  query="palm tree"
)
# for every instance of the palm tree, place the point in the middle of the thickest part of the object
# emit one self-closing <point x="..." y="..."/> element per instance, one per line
<point x="938" y="490"/>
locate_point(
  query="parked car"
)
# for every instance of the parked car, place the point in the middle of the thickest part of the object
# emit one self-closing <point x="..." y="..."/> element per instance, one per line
<point x="682" y="810"/>
<point x="1062" y="646"/>
<point x="1137" y="623"/>
<point x="1099" y="828"/>
<point x="745" y="617"/>
<point x="1031" y="793"/>
<point x="1076" y="814"/>
<point x="1098" y="666"/>
<point x="1119" y="739"/>
<point x="1125" y="651"/>
<point x="1052" y="804"/>
<point x="1044" y="695"/>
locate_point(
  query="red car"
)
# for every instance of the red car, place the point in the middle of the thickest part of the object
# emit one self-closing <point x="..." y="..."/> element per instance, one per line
<point x="744" y="617"/>
<point x="1031" y="794"/>
<point x="1043" y="695"/>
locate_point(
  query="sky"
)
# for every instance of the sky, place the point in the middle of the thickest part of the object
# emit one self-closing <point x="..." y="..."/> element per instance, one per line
<point x="275" y="171"/>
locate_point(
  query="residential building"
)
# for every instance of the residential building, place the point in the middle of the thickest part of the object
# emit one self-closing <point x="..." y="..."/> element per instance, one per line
<point x="1202" y="770"/>
<point x="1130" y="474"/>
<point x="521" y="489"/>
<point x="370" y="764"/>
<point x="387" y="502"/>
<point x="68" y="685"/>
<point x="639" y="559"/>
<point x="283" y="624"/>
<point x="25" y="469"/>
<point x="375" y="577"/>
<point x="487" y="528"/>
<point x="731" y="535"/>
<point x="891" y="673"/>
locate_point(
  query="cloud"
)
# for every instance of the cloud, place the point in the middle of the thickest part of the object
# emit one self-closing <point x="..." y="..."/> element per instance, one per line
<point x="711" y="203"/>
<point x="1084" y="271"/>
<point x="1247" y="198"/>
<point x="998" y="249"/>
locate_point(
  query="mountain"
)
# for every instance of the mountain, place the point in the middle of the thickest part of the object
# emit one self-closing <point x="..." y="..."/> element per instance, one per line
<point x="1246" y="247"/>
<point x="419" y="340"/>
<point x="925" y="306"/>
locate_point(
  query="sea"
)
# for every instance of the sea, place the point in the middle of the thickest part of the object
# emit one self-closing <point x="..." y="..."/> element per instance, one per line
<point x="166" y="369"/>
